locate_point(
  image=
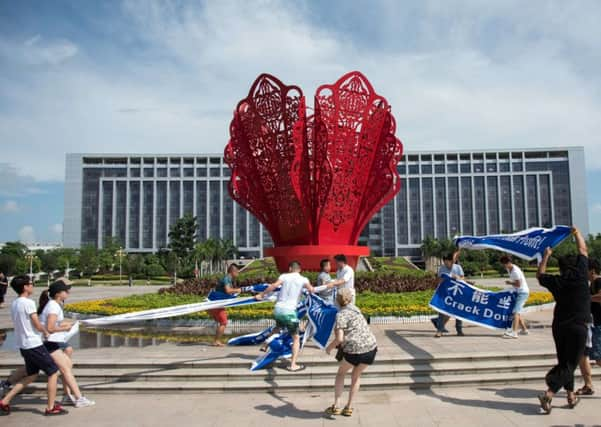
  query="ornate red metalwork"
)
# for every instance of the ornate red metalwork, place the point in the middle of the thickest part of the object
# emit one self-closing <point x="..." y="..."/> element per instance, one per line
<point x="314" y="181"/>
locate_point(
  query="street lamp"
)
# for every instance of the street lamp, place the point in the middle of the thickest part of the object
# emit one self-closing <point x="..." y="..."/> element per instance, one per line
<point x="29" y="257"/>
<point x="120" y="253"/>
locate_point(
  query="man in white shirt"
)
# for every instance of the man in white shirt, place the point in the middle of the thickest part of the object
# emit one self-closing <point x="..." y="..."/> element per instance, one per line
<point x="518" y="281"/>
<point x="291" y="286"/>
<point x="345" y="276"/>
<point x="27" y="334"/>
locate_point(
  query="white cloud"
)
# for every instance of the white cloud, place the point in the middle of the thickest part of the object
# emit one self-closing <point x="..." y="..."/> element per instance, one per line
<point x="596" y="208"/>
<point x="27" y="234"/>
<point x="57" y="228"/>
<point x="13" y="183"/>
<point x="451" y="83"/>
<point x="9" y="206"/>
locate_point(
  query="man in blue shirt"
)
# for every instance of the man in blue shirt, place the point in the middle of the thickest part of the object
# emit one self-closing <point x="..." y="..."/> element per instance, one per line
<point x="449" y="266"/>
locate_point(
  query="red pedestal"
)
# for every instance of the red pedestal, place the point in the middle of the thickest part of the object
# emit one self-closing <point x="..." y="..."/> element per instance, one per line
<point x="310" y="255"/>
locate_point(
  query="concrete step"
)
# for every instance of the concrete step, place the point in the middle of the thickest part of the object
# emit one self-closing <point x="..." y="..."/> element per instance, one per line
<point x="310" y="360"/>
<point x="380" y="369"/>
<point x="297" y="384"/>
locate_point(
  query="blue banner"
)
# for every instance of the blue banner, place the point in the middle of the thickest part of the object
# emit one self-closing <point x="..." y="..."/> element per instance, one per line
<point x="466" y="302"/>
<point x="322" y="317"/>
<point x="528" y="244"/>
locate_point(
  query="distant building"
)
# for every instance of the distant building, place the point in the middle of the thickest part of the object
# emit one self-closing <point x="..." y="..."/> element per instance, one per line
<point x="136" y="197"/>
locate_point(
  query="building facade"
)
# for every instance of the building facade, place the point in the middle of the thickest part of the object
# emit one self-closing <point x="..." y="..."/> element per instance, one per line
<point x="135" y="198"/>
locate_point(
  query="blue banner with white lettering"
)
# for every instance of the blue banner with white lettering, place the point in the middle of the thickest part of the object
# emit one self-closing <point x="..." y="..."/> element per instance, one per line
<point x="529" y="244"/>
<point x="463" y="301"/>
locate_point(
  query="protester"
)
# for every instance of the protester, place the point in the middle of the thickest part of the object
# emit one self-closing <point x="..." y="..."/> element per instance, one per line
<point x="226" y="286"/>
<point x="291" y="286"/>
<point x="52" y="317"/>
<point x="323" y="279"/>
<point x="357" y="350"/>
<point x="518" y="281"/>
<point x="592" y="353"/>
<point x="449" y="266"/>
<point x="345" y="276"/>
<point x="571" y="314"/>
<point x="26" y="323"/>
<point x="3" y="288"/>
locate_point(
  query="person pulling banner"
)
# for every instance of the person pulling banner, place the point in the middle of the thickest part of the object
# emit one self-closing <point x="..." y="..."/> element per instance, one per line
<point x="493" y="310"/>
<point x="529" y="244"/>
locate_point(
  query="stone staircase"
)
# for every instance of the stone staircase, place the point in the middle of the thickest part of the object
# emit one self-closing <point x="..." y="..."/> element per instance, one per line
<point x="152" y="376"/>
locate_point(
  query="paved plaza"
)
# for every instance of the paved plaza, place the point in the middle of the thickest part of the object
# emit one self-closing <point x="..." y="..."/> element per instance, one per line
<point x="502" y="405"/>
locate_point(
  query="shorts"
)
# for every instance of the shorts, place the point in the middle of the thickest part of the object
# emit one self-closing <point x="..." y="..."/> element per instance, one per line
<point x="219" y="315"/>
<point x="51" y="347"/>
<point x="520" y="300"/>
<point x="38" y="359"/>
<point x="288" y="320"/>
<point x="362" y="358"/>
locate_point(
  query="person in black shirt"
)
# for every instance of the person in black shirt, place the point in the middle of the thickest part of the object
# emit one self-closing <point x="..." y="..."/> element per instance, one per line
<point x="570" y="318"/>
<point x="592" y="353"/>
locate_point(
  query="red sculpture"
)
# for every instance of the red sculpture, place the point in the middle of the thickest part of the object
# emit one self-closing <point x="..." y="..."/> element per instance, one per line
<point x="313" y="181"/>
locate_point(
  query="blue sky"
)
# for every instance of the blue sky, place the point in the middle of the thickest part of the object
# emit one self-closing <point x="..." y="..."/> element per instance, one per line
<point x="133" y="76"/>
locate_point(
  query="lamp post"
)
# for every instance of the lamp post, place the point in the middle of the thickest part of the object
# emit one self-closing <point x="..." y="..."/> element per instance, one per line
<point x="120" y="253"/>
<point x="29" y="257"/>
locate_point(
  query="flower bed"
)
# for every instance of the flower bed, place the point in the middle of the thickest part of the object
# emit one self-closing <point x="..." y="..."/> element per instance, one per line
<point x="372" y="304"/>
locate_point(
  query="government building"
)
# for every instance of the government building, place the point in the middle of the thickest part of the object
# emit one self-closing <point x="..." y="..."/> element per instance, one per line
<point x="135" y="198"/>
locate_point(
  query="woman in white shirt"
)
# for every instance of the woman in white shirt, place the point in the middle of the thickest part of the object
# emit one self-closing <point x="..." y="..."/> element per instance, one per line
<point x="52" y="317"/>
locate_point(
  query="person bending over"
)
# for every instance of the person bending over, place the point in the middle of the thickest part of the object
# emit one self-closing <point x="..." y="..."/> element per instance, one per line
<point x="291" y="286"/>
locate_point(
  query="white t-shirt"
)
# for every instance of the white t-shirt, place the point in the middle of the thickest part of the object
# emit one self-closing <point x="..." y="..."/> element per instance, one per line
<point x="290" y="291"/>
<point x="26" y="336"/>
<point x="517" y="274"/>
<point x="348" y="275"/>
<point x="52" y="307"/>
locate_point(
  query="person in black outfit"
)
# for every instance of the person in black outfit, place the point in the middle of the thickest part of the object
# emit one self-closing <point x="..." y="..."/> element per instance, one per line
<point x="3" y="288"/>
<point x="592" y="353"/>
<point x="572" y="313"/>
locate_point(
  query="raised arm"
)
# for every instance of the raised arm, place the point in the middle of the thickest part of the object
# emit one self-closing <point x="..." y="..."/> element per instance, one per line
<point x="542" y="267"/>
<point x="580" y="242"/>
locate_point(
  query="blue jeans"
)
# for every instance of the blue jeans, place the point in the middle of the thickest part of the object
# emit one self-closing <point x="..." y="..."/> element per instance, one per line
<point x="442" y="318"/>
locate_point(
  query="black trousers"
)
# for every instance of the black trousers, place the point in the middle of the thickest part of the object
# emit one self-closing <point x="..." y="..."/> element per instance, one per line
<point x="570" y="340"/>
<point x="3" y="289"/>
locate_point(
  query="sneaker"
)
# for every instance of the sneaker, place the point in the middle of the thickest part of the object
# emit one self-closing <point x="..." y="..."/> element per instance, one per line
<point x="510" y="335"/>
<point x="68" y="400"/>
<point x="83" y="401"/>
<point x="526" y="332"/>
<point x="4" y="408"/>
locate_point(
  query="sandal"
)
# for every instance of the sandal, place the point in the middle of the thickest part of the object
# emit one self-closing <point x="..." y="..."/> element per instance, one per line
<point x="585" y="391"/>
<point x="572" y="403"/>
<point x="56" y="410"/>
<point x="545" y="403"/>
<point x="347" y="412"/>
<point x="300" y="368"/>
<point x="333" y="410"/>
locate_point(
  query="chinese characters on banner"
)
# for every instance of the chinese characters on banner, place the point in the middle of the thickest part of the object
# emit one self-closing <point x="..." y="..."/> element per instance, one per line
<point x="466" y="302"/>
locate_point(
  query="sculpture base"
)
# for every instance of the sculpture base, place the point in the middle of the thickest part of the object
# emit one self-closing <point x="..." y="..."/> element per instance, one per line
<point x="310" y="255"/>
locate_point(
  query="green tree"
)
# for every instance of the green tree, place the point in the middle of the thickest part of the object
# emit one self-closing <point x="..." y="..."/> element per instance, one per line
<point x="133" y="264"/>
<point x="182" y="236"/>
<point x="16" y="249"/>
<point x="107" y="256"/>
<point x="152" y="266"/>
<point x="8" y="264"/>
<point x="88" y="260"/>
